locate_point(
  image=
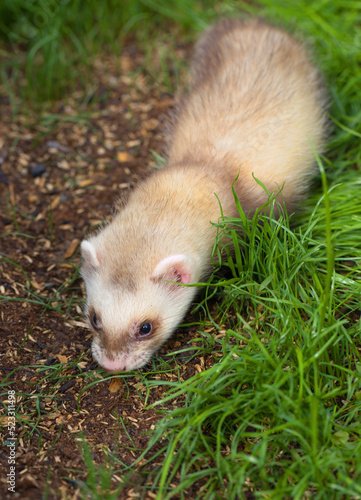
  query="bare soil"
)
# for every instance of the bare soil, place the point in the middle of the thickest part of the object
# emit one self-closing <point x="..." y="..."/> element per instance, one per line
<point x="60" y="173"/>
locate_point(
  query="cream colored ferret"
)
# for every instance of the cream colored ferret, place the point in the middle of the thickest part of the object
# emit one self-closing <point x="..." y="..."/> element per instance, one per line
<point x="256" y="104"/>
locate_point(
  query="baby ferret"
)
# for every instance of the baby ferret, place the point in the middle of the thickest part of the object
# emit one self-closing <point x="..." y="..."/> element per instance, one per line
<point x="256" y="105"/>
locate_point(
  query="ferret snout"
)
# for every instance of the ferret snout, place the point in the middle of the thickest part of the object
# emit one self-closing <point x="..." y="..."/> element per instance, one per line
<point x="110" y="362"/>
<point x="118" y="361"/>
<point x="113" y="365"/>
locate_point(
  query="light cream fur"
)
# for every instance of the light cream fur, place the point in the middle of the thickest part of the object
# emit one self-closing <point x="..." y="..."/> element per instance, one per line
<point x="255" y="105"/>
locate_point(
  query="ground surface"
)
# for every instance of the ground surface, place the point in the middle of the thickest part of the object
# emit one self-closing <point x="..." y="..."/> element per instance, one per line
<point x="60" y="174"/>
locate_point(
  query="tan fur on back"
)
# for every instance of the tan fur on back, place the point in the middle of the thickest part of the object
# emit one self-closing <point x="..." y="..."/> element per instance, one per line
<point x="256" y="103"/>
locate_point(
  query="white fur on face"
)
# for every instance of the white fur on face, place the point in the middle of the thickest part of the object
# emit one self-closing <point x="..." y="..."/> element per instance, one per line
<point x="117" y="346"/>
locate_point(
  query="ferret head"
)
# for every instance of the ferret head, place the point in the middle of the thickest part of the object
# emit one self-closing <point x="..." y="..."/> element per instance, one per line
<point x="131" y="307"/>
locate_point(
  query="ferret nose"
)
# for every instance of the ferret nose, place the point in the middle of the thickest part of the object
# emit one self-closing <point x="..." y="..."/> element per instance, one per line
<point x="113" y="365"/>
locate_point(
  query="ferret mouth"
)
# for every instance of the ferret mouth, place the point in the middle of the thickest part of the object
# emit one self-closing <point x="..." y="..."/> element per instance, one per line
<point x="110" y="364"/>
<point x="118" y="362"/>
<point x="113" y="366"/>
<point x="124" y="362"/>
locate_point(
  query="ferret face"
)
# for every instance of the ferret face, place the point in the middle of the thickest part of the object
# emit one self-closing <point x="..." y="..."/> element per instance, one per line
<point x="129" y="325"/>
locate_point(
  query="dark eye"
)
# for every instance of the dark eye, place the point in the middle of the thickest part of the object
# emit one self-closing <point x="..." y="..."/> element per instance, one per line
<point x="94" y="321"/>
<point x="145" y="329"/>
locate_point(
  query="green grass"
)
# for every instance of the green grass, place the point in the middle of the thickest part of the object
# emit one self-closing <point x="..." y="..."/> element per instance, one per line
<point x="278" y="413"/>
<point x="48" y="47"/>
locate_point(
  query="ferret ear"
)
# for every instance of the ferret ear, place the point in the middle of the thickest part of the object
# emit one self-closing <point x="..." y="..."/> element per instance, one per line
<point x="177" y="268"/>
<point x="90" y="254"/>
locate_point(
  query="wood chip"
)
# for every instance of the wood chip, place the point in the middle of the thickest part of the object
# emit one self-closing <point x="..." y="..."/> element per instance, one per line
<point x="123" y="156"/>
<point x="164" y="104"/>
<point x="28" y="481"/>
<point x="85" y="182"/>
<point x="61" y="358"/>
<point x="12" y="194"/>
<point x="66" y="266"/>
<point x="133" y="144"/>
<point x="55" y="203"/>
<point x="64" y="165"/>
<point x="36" y="285"/>
<point x="115" y="385"/>
<point x="71" y="249"/>
<point x="74" y="323"/>
<point x="132" y="419"/>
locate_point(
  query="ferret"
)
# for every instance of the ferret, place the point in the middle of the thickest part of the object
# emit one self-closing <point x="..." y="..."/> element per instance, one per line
<point x="256" y="105"/>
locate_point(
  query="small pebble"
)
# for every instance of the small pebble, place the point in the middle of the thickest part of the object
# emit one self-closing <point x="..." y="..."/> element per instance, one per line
<point x="3" y="179"/>
<point x="56" y="145"/>
<point x="38" y="170"/>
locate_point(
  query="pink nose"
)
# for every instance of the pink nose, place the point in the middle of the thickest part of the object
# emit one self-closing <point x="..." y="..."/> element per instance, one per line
<point x="113" y="366"/>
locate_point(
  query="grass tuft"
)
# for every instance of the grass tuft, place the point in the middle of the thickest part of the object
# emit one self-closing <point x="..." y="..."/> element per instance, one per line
<point x="48" y="47"/>
<point x="278" y="412"/>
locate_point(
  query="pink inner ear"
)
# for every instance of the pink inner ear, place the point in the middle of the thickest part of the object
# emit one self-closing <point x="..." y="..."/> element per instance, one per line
<point x="175" y="268"/>
<point x="179" y="275"/>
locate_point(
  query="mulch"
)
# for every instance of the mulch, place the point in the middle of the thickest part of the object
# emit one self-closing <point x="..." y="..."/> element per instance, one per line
<point x="61" y="172"/>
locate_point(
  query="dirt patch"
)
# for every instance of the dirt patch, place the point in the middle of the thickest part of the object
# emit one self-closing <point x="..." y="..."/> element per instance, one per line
<point x="60" y="174"/>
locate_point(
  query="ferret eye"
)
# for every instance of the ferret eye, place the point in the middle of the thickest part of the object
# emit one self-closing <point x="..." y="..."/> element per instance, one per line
<point x="94" y="321"/>
<point x="145" y="329"/>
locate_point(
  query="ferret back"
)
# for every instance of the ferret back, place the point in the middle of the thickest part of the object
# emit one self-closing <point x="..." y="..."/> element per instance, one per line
<point x="256" y="105"/>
